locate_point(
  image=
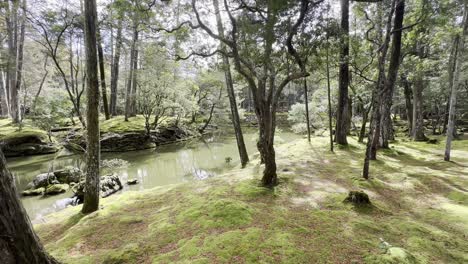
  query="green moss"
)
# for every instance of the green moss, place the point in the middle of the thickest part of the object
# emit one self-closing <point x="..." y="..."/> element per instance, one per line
<point x="233" y="220"/>
<point x="119" y="125"/>
<point x="252" y="189"/>
<point x="394" y="255"/>
<point x="458" y="197"/>
<point x="128" y="254"/>
<point x="219" y="213"/>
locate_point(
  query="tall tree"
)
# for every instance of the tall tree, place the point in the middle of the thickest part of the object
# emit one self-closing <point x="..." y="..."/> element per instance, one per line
<point x="261" y="71"/>
<point x="343" y="116"/>
<point x="244" y="157"/>
<point x="386" y="83"/>
<point x="456" y="82"/>
<point x="102" y="74"/>
<point x="11" y="20"/>
<point x="394" y="65"/>
<point x="131" y="82"/>
<point x="115" y="68"/>
<point x="18" y="242"/>
<point x="91" y="197"/>
<point x="19" y="63"/>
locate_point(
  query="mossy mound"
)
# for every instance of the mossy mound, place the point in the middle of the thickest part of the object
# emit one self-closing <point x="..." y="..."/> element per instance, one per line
<point x="24" y="141"/>
<point x="417" y="207"/>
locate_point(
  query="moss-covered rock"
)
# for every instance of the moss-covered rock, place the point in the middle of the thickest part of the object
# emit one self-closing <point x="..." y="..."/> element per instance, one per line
<point x="26" y="141"/>
<point x="33" y="192"/>
<point x="357" y="198"/>
<point x="118" y="135"/>
<point x="56" y="189"/>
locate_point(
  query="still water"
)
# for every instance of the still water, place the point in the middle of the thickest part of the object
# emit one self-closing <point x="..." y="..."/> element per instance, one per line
<point x="192" y="160"/>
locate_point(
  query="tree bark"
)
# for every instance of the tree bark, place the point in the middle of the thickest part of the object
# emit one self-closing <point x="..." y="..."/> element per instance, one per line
<point x="456" y="84"/>
<point x="19" y="63"/>
<point x="18" y="242"/>
<point x="387" y="126"/>
<point x="408" y="103"/>
<point x="330" y="126"/>
<point x="418" y="118"/>
<point x="375" y="123"/>
<point x="128" y="97"/>
<point x="91" y="196"/>
<point x="244" y="157"/>
<point x="307" y="109"/>
<point x="3" y="95"/>
<point x="115" y="70"/>
<point x="102" y="73"/>
<point x="342" y="117"/>
<point x="365" y="119"/>
<point x="12" y="36"/>
<point x="133" y="102"/>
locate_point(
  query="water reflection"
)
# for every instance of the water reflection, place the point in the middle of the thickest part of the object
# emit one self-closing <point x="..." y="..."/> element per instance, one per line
<point x="192" y="160"/>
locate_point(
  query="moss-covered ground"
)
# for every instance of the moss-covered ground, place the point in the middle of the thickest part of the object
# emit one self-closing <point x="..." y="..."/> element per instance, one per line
<point x="419" y="213"/>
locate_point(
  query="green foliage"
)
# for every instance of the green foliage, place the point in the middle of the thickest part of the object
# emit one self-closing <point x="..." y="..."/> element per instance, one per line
<point x="50" y="110"/>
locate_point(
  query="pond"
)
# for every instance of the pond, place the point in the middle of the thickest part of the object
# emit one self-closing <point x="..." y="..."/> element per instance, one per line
<point x="191" y="160"/>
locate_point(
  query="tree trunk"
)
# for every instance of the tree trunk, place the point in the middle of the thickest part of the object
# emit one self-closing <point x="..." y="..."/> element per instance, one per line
<point x="12" y="35"/>
<point x="307" y="109"/>
<point x="19" y="63"/>
<point x="387" y="126"/>
<point x="128" y="97"/>
<point x="18" y="242"/>
<point x="375" y="123"/>
<point x="102" y="73"/>
<point x="408" y="104"/>
<point x="244" y="157"/>
<point x="115" y="70"/>
<point x="330" y="126"/>
<point x="266" y="122"/>
<point x="456" y="84"/>
<point x="418" y="118"/>
<point x="365" y="119"/>
<point x="91" y="196"/>
<point x="342" y="117"/>
<point x="133" y="102"/>
<point x="40" y="86"/>
<point x="3" y="96"/>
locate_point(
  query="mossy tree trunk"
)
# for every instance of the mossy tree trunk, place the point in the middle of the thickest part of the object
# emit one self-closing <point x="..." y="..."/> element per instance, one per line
<point x="18" y="242"/>
<point x="91" y="197"/>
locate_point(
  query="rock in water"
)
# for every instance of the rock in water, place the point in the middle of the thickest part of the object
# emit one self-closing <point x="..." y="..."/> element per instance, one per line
<point x="109" y="184"/>
<point x="68" y="175"/>
<point x="357" y="198"/>
<point x="42" y="180"/>
<point x="132" y="181"/>
<point x="56" y="189"/>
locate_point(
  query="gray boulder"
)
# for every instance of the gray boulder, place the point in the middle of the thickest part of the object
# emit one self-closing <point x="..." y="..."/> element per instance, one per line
<point x="109" y="184"/>
<point x="42" y="180"/>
